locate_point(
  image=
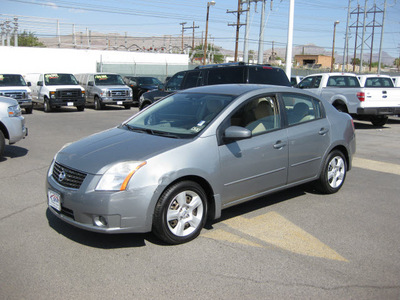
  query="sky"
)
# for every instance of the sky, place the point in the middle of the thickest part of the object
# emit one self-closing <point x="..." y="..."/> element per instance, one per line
<point x="313" y="20"/>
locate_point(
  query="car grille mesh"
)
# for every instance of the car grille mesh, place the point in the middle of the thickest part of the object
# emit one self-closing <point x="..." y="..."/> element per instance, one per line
<point x="67" y="177"/>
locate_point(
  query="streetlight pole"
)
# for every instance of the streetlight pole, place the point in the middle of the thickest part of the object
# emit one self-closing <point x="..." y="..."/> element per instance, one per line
<point x="333" y="46"/>
<point x="205" y="40"/>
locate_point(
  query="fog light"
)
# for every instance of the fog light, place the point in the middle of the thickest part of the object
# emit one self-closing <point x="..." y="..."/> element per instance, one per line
<point x="100" y="221"/>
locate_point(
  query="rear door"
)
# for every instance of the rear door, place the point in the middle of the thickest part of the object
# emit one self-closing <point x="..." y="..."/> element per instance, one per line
<point x="308" y="135"/>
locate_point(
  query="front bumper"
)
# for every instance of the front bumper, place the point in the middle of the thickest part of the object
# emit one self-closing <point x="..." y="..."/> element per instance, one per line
<point x="67" y="102"/>
<point x="16" y="129"/>
<point x="121" y="211"/>
<point x="378" y="111"/>
<point x="25" y="103"/>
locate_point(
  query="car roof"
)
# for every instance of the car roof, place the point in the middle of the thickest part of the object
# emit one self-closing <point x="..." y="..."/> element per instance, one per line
<point x="237" y="89"/>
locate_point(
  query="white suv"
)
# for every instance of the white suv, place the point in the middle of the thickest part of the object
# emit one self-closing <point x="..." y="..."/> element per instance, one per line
<point x="12" y="124"/>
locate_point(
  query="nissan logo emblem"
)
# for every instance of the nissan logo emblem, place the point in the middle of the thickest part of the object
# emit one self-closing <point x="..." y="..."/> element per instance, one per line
<point x="61" y="176"/>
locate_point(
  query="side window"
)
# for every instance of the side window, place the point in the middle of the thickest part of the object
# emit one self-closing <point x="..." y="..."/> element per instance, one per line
<point x="259" y="115"/>
<point x="226" y="75"/>
<point x="174" y="83"/>
<point x="192" y="79"/>
<point x="307" y="83"/>
<point x="301" y="108"/>
<point x="316" y="82"/>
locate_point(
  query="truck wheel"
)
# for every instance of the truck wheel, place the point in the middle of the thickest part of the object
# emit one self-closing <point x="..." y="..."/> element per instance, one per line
<point x="46" y="104"/>
<point x="97" y="104"/>
<point x="28" y="110"/>
<point x="2" y="143"/>
<point x="341" y="108"/>
<point x="80" y="107"/>
<point x="379" y="120"/>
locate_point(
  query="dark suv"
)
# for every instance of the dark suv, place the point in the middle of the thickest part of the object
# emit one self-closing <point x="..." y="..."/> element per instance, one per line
<point x="217" y="74"/>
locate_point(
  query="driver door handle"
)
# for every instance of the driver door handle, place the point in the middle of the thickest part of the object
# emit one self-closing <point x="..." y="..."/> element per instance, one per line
<point x="279" y="144"/>
<point x="323" y="131"/>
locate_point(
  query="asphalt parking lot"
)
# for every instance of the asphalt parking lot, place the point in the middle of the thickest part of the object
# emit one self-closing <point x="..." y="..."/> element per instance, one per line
<point x="294" y="244"/>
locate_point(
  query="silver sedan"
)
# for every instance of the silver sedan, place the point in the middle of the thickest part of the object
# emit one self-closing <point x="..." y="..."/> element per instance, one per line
<point x="184" y="159"/>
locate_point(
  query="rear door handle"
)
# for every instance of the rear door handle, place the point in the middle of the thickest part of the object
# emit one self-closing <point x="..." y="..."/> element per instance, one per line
<point x="323" y="131"/>
<point x="279" y="144"/>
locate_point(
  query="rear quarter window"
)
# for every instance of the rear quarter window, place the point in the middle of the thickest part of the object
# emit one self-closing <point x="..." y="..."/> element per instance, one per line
<point x="268" y="75"/>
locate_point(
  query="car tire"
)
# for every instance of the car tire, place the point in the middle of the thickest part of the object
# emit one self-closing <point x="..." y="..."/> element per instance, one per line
<point x="80" y="107"/>
<point x="28" y="110"/>
<point x="97" y="104"/>
<point x="46" y="104"/>
<point x="2" y="143"/>
<point x="379" y="120"/>
<point x="180" y="213"/>
<point x="333" y="173"/>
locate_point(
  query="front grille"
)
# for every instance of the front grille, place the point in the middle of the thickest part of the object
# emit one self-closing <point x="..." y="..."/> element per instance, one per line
<point x="119" y="93"/>
<point x="67" y="177"/>
<point x="68" y="94"/>
<point x="67" y="212"/>
<point x="15" y="95"/>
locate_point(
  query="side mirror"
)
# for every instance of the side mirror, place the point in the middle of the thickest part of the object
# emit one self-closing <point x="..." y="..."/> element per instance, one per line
<point x="29" y="83"/>
<point x="161" y="87"/>
<point x="90" y="83"/>
<point x="237" y="133"/>
<point x="40" y="83"/>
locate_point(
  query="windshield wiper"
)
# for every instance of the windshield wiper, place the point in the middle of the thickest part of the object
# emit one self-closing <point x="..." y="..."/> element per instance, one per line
<point x="150" y="131"/>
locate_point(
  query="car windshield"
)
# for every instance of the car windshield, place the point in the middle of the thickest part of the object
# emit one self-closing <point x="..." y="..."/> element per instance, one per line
<point x="60" y="79"/>
<point x="181" y="115"/>
<point x="11" y="80"/>
<point x="148" y="81"/>
<point x="108" y="79"/>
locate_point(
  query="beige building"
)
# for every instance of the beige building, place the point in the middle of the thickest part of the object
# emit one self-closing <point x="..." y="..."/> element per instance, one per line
<point x="321" y="61"/>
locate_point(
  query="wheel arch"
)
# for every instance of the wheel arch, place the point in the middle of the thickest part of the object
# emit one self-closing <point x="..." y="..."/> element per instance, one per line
<point x="3" y="129"/>
<point x="345" y="152"/>
<point x="212" y="205"/>
<point x="340" y="103"/>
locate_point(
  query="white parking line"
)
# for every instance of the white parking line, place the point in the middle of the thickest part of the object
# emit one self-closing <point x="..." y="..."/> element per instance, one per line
<point x="376" y="165"/>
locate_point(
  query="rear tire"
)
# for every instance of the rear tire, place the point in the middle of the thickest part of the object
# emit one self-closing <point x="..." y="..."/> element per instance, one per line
<point x="333" y="173"/>
<point x="180" y="213"/>
<point x="379" y="120"/>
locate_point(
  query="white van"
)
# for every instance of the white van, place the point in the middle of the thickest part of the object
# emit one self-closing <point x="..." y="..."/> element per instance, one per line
<point x="54" y="90"/>
<point x="14" y="86"/>
<point x="105" y="88"/>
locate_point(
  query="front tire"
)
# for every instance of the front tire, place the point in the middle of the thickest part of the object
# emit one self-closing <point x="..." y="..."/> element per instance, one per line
<point x="2" y="143"/>
<point x="97" y="104"/>
<point x="47" y="107"/>
<point x="180" y="213"/>
<point x="333" y="173"/>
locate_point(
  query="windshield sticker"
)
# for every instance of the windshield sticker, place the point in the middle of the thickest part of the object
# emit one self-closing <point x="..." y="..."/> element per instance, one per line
<point x="195" y="129"/>
<point x="1" y="77"/>
<point x="101" y="77"/>
<point x="51" y="76"/>
<point x="201" y="123"/>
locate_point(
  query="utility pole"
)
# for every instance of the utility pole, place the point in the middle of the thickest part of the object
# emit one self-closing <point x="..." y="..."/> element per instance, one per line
<point x="15" y="32"/>
<point x="183" y="30"/>
<point x="380" y="46"/>
<point x="363" y="37"/>
<point x="237" y="24"/>
<point x="346" y="40"/>
<point x="193" y="27"/>
<point x="356" y="35"/>
<point x="290" y="41"/>
<point x="261" y="38"/>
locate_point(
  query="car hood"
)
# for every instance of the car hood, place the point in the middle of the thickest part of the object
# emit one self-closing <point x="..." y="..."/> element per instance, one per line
<point x="95" y="154"/>
<point x="149" y="86"/>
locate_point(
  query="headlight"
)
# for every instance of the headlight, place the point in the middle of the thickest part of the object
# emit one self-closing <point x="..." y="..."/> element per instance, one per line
<point x="14" y="111"/>
<point x="104" y="93"/>
<point x="52" y="94"/>
<point x="117" y="177"/>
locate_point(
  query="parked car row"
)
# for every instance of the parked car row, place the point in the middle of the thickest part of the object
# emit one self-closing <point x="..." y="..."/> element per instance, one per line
<point x="365" y="97"/>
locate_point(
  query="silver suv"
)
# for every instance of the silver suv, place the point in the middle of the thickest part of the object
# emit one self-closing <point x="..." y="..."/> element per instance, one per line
<point x="12" y="124"/>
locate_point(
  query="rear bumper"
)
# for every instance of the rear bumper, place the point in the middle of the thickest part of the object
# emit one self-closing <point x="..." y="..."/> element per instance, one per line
<point x="378" y="111"/>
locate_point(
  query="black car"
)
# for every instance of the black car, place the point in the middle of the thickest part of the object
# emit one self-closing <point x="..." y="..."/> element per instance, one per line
<point x="140" y="85"/>
<point x="217" y="74"/>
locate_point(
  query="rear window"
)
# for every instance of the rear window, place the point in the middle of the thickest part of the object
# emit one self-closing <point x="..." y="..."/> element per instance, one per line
<point x="268" y="75"/>
<point x="343" y="81"/>
<point x="378" y="82"/>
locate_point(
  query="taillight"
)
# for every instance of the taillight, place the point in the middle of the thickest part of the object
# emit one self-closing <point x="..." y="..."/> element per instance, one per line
<point x="361" y="96"/>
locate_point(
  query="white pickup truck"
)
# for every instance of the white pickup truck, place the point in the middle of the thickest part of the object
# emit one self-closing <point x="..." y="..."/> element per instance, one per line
<point x="344" y="92"/>
<point x="54" y="90"/>
<point x="12" y="124"/>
